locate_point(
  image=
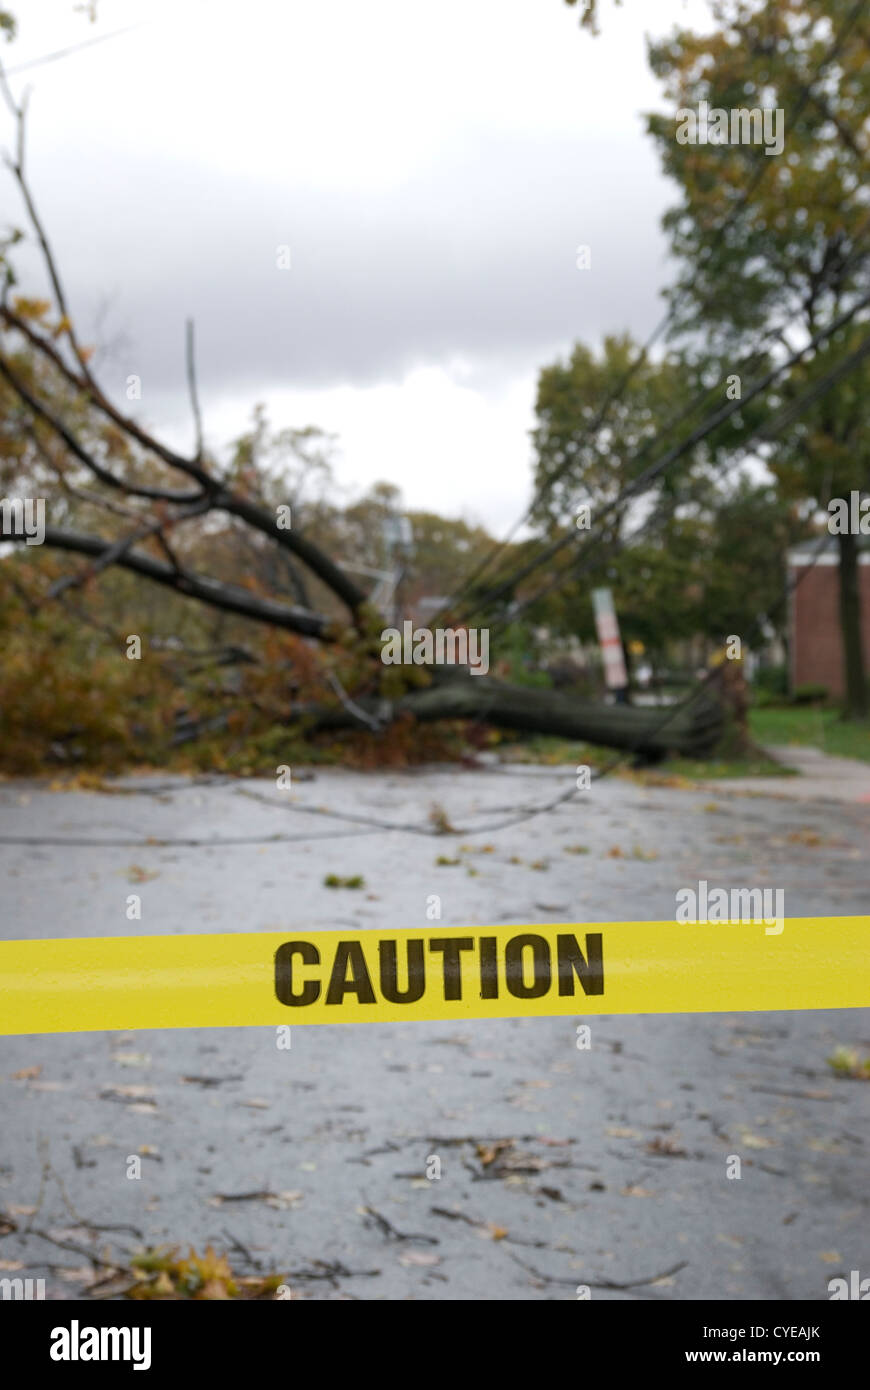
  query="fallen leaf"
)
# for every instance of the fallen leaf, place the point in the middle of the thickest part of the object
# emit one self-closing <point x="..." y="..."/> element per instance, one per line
<point x="213" y="1289"/>
<point x="756" y="1141"/>
<point x="136" y="874"/>
<point x="804" y="837"/>
<point x="488" y="1153"/>
<point x="26" y="1073"/>
<point x="668" y="1147"/>
<point x="284" y="1201"/>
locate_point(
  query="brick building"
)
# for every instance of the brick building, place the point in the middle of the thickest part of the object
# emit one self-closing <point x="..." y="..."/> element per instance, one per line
<point x="815" y="644"/>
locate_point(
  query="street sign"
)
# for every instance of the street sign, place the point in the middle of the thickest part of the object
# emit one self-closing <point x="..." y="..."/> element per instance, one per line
<point x="608" y="638"/>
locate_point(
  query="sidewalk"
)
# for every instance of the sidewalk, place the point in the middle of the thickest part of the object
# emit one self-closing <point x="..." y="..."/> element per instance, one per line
<point x="823" y="777"/>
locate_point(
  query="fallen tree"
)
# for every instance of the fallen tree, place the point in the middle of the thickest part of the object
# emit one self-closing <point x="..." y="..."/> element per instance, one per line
<point x="693" y="728"/>
<point x="62" y="431"/>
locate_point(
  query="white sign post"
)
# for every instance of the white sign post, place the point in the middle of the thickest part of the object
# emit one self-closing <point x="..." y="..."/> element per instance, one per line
<point x="607" y="628"/>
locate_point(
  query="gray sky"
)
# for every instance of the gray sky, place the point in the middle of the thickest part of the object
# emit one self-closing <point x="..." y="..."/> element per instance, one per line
<point x="432" y="169"/>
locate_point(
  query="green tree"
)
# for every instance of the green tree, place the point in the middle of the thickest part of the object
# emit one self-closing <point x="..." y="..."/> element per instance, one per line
<point x="585" y="455"/>
<point x="795" y="248"/>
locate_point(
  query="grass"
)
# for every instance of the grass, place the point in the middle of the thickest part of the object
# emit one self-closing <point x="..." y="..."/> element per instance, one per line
<point x="782" y="725"/>
<point x="695" y="769"/>
<point x="540" y="748"/>
<point x="553" y="751"/>
<point x="815" y="728"/>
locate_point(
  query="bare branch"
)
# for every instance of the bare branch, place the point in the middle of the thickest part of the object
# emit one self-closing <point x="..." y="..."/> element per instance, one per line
<point x="227" y="597"/>
<point x="114" y="552"/>
<point x="255" y="515"/>
<point x="81" y="494"/>
<point x="317" y="561"/>
<point x="251" y="512"/>
<point x="69" y="439"/>
<point x="356" y="711"/>
<point x="102" y="403"/>
<point x="191" y="386"/>
<point x="17" y="167"/>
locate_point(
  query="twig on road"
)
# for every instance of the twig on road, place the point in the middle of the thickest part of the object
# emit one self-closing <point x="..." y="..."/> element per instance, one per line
<point x="488" y="1226"/>
<point x="390" y="1231"/>
<point x="600" y="1283"/>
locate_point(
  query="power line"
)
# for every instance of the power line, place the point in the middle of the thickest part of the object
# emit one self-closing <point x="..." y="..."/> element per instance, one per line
<point x="680" y="708"/>
<point x="676" y="418"/>
<point x="762" y="431"/>
<point x="777" y="332"/>
<point x="677" y="451"/>
<point x="622" y="385"/>
<point x="73" y="48"/>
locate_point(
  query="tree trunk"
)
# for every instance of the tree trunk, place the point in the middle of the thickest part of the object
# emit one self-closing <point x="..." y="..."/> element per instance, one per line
<point x="850" y="627"/>
<point x="692" y="729"/>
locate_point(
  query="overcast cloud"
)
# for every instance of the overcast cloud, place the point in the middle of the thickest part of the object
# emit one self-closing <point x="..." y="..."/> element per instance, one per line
<point x="432" y="169"/>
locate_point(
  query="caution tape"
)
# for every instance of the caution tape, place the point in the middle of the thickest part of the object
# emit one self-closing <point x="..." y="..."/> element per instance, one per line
<point x="254" y="978"/>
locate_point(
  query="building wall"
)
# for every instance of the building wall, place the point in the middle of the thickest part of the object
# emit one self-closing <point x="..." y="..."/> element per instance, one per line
<point x="816" y="647"/>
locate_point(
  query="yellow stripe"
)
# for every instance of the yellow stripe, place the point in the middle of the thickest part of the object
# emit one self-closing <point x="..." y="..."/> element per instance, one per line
<point x="90" y="983"/>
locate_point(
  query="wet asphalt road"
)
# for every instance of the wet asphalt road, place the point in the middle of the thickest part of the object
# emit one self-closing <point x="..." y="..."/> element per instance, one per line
<point x="559" y="1167"/>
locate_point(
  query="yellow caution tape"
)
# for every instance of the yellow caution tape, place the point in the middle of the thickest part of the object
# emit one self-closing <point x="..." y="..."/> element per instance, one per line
<point x="238" y="979"/>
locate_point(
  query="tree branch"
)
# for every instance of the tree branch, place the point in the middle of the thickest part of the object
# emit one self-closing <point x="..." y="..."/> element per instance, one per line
<point x="190" y="358"/>
<point x="69" y="439"/>
<point x="227" y="597"/>
<point x="122" y="546"/>
<point x="103" y="404"/>
<point x="317" y="561"/>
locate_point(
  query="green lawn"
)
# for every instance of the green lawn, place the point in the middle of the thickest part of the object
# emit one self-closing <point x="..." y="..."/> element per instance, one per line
<point x="820" y="728"/>
<point x="542" y="748"/>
